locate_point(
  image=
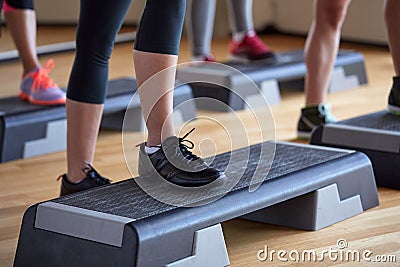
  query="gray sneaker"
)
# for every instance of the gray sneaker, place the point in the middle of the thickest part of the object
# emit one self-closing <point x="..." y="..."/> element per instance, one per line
<point x="311" y="117"/>
<point x="394" y="97"/>
<point x="176" y="164"/>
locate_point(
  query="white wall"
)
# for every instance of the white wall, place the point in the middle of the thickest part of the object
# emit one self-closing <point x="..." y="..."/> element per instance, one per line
<point x="364" y="19"/>
<point x="57" y="11"/>
<point x="67" y="11"/>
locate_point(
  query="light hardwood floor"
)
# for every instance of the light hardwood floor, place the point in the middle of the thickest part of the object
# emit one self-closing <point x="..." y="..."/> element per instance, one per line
<point x="28" y="181"/>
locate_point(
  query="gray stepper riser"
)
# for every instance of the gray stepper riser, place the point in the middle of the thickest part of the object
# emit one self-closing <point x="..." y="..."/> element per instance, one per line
<point x="311" y="211"/>
<point x="168" y="232"/>
<point x="217" y="81"/>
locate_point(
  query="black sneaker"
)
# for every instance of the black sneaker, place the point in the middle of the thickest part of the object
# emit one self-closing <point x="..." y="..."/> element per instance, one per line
<point x="312" y="117"/>
<point x="92" y="179"/>
<point x="186" y="169"/>
<point x="394" y="97"/>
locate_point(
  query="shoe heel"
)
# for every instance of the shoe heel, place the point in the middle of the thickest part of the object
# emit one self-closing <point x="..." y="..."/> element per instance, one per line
<point x="23" y="96"/>
<point x="145" y="167"/>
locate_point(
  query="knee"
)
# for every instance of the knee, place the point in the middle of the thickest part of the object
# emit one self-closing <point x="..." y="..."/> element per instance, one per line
<point x="161" y="27"/>
<point x="332" y="14"/>
<point x="391" y="11"/>
<point x="97" y="49"/>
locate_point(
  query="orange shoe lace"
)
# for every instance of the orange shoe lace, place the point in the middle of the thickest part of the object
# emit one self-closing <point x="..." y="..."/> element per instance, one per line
<point x="41" y="77"/>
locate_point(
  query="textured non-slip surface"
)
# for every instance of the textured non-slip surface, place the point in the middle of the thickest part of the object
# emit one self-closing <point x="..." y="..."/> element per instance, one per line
<point x="282" y="59"/>
<point x="382" y="120"/>
<point x="13" y="105"/>
<point x="128" y="200"/>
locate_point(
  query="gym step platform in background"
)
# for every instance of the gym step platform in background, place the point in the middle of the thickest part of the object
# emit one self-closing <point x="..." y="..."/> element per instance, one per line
<point x="28" y="130"/>
<point x="234" y="89"/>
<point x="376" y="134"/>
<point x="307" y="187"/>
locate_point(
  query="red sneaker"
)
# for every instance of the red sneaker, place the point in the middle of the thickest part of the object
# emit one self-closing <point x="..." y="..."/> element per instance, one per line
<point x="201" y="60"/>
<point x="207" y="58"/>
<point x="249" y="49"/>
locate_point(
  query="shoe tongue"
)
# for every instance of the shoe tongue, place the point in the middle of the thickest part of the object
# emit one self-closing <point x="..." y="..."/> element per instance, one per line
<point x="26" y="74"/>
<point x="174" y="155"/>
<point x="171" y="141"/>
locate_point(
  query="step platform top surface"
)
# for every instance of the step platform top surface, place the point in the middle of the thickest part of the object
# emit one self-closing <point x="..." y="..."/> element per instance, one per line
<point x="127" y="199"/>
<point x="10" y="106"/>
<point x="282" y="59"/>
<point x="13" y="105"/>
<point x="381" y="120"/>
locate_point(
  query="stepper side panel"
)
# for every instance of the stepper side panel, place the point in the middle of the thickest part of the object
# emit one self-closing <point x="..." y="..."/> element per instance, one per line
<point x="312" y="211"/>
<point x="122" y="86"/>
<point x="357" y="69"/>
<point x="379" y="131"/>
<point x="38" y="247"/>
<point x="384" y="164"/>
<point x="20" y="129"/>
<point x="83" y="223"/>
<point x="204" y="90"/>
<point x="361" y="138"/>
<point x="383" y="160"/>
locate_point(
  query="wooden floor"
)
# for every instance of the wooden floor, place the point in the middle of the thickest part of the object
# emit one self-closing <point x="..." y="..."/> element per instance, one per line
<point x="25" y="182"/>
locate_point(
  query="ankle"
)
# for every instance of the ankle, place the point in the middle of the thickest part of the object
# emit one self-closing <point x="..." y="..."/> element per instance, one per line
<point x="198" y="57"/>
<point x="153" y="143"/>
<point x="239" y="36"/>
<point x="313" y="104"/>
<point x="396" y="80"/>
<point x="158" y="139"/>
<point x="75" y="178"/>
<point x="30" y="69"/>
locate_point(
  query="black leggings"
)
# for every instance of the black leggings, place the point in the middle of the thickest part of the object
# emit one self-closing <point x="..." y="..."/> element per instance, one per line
<point x="159" y="31"/>
<point x="21" y="4"/>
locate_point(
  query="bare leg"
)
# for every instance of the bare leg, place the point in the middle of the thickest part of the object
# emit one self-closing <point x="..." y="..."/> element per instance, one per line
<point x="156" y="95"/>
<point x="22" y="25"/>
<point x="83" y="126"/>
<point x="392" y="19"/>
<point x="322" y="47"/>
